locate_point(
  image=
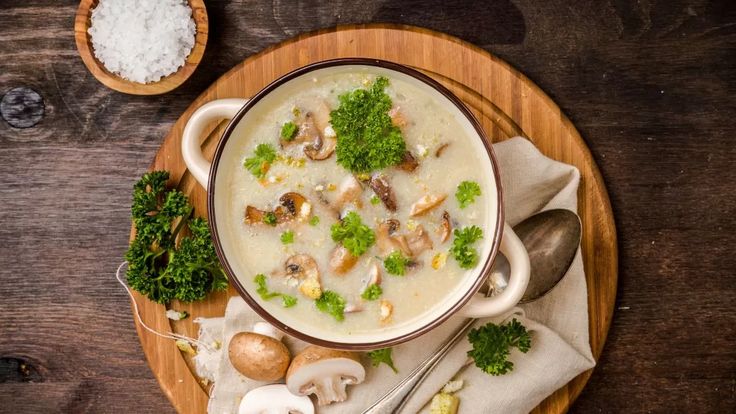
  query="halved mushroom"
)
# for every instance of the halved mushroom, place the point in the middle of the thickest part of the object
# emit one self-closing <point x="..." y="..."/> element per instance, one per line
<point x="438" y="152"/>
<point x="341" y="260"/>
<point x="292" y="205"/>
<point x="348" y="191"/>
<point x="387" y="241"/>
<point x="384" y="235"/>
<point x="274" y="399"/>
<point x="322" y="117"/>
<point x="408" y="163"/>
<point x="400" y="243"/>
<point x="321" y="149"/>
<point x="308" y="131"/>
<point x="325" y="373"/>
<point x="387" y="310"/>
<point x="372" y="278"/>
<point x="259" y="355"/>
<point x="374" y="275"/>
<point x="426" y="203"/>
<point x="304" y="268"/>
<point x="445" y="227"/>
<point x="380" y="185"/>
<point x="254" y="215"/>
<point x="418" y="241"/>
<point x="320" y="144"/>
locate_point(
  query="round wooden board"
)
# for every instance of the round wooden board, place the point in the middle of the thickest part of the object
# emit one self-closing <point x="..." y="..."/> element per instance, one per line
<point x="507" y="103"/>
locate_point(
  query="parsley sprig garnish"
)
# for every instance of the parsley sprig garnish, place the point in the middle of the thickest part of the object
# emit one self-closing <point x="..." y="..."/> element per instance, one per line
<point x="331" y="303"/>
<point x="492" y="344"/>
<point x="367" y="140"/>
<point x="380" y="356"/>
<point x="466" y="193"/>
<point x="260" y="162"/>
<point x="396" y="263"/>
<point x="353" y="234"/>
<point x="372" y="292"/>
<point x="172" y="255"/>
<point x="288" y="131"/>
<point x="462" y="249"/>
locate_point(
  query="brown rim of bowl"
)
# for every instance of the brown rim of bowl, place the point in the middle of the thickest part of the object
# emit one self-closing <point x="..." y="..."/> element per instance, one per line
<point x="482" y="272"/>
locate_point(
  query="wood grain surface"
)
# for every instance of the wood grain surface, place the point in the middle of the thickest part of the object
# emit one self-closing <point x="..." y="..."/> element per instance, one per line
<point x="83" y="41"/>
<point x="649" y="86"/>
<point x="507" y="104"/>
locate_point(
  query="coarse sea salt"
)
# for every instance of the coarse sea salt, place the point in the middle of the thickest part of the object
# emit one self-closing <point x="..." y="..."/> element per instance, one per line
<point x="142" y="40"/>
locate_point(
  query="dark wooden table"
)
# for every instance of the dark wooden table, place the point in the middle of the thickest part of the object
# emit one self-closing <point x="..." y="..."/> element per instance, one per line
<point x="650" y="85"/>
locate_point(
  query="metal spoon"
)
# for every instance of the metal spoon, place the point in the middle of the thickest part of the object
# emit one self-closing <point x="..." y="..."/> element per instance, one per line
<point x="551" y="238"/>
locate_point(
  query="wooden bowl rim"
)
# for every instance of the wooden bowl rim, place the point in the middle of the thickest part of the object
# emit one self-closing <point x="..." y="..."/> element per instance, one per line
<point x="113" y="81"/>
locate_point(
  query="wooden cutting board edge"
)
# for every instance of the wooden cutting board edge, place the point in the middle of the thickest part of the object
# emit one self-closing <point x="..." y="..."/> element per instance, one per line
<point x="172" y="370"/>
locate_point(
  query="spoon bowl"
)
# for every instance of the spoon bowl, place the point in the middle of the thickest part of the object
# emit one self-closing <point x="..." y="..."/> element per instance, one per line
<point x="552" y="238"/>
<point x="82" y="38"/>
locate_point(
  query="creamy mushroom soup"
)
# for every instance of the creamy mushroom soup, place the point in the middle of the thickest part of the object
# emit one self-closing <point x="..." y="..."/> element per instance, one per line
<point x="351" y="201"/>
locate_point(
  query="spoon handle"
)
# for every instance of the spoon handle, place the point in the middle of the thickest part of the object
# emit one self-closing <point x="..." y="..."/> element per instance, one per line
<point x="395" y="400"/>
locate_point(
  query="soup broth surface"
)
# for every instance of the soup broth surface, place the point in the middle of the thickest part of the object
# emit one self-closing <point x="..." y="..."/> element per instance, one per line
<point x="440" y="146"/>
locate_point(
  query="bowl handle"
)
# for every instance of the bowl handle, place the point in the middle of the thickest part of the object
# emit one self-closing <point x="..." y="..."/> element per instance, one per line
<point x="190" y="146"/>
<point x="513" y="249"/>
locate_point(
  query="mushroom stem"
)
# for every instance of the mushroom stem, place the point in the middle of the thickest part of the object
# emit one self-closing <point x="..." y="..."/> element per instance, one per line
<point x="341" y="260"/>
<point x="445" y="227"/>
<point x="330" y="389"/>
<point x="348" y="191"/>
<point x="426" y="203"/>
<point x="380" y="185"/>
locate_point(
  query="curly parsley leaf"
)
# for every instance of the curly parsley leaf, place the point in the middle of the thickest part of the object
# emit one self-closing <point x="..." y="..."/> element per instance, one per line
<point x="462" y="249"/>
<point x="270" y="218"/>
<point x="194" y="266"/>
<point x="260" y="162"/>
<point x="288" y="131"/>
<point x="288" y="301"/>
<point x="172" y="255"/>
<point x="353" y="234"/>
<point x="367" y="140"/>
<point x="287" y="237"/>
<point x="372" y="292"/>
<point x="380" y="356"/>
<point x="466" y="193"/>
<point x="492" y="344"/>
<point x="332" y="303"/>
<point x="314" y="221"/>
<point x="396" y="263"/>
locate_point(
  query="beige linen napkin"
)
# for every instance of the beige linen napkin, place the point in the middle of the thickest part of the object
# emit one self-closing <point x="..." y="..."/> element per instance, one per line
<point x="558" y="322"/>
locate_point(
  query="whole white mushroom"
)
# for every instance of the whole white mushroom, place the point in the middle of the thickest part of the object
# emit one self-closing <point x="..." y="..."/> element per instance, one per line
<point x="274" y="399"/>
